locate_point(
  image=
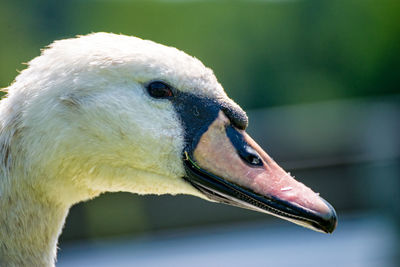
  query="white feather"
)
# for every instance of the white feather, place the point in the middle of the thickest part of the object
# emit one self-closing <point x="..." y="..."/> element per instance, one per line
<point x="78" y="122"/>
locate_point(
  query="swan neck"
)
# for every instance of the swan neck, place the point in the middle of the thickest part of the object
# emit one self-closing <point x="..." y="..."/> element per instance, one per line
<point x="35" y="224"/>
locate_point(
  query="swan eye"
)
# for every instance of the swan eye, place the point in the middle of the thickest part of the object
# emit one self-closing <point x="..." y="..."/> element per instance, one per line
<point x="159" y="90"/>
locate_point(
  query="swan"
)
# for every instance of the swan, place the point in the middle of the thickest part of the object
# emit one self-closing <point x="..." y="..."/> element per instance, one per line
<point x="107" y="113"/>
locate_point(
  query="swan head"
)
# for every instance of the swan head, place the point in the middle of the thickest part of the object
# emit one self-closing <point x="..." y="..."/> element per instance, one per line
<point x="107" y="112"/>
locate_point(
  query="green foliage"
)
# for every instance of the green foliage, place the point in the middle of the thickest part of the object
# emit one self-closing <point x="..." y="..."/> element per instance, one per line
<point x="264" y="53"/>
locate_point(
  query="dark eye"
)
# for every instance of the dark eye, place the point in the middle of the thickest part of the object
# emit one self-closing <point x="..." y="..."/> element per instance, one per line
<point x="159" y="90"/>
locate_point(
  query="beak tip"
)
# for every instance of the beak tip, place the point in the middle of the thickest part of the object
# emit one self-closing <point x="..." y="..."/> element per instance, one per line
<point x="329" y="219"/>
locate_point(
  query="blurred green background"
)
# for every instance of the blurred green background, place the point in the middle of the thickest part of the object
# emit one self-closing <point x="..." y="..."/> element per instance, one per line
<point x="285" y="51"/>
<point x="324" y="68"/>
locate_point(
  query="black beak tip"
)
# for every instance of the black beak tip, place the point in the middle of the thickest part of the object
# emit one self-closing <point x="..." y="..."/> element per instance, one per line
<point x="329" y="220"/>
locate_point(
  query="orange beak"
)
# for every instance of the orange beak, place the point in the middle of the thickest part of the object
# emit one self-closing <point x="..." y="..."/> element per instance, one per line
<point x="228" y="166"/>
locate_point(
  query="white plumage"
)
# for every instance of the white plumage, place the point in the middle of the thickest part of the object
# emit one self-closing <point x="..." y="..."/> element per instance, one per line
<point x="77" y="122"/>
<point x="81" y="120"/>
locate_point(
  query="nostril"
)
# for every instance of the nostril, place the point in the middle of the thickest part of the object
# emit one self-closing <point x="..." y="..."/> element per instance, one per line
<point x="244" y="150"/>
<point x="250" y="156"/>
